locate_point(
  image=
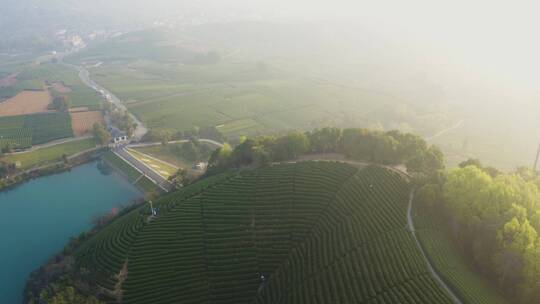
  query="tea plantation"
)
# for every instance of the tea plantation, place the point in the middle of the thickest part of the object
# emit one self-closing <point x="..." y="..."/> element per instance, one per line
<point x="309" y="232"/>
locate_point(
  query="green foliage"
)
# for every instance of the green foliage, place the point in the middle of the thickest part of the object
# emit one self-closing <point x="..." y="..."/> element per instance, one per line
<point x="68" y="295"/>
<point x="497" y="218"/>
<point x="26" y="130"/>
<point x="123" y="121"/>
<point x="447" y="258"/>
<point x="287" y="222"/>
<point x="388" y="148"/>
<point x="61" y="103"/>
<point x="102" y="136"/>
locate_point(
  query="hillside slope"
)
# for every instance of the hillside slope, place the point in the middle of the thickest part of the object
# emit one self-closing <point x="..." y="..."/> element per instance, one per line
<point x="318" y="232"/>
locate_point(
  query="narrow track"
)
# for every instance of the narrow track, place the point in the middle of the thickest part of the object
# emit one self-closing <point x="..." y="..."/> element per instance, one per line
<point x="434" y="274"/>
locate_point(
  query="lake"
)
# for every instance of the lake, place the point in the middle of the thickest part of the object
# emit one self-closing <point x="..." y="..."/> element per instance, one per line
<point x="39" y="217"/>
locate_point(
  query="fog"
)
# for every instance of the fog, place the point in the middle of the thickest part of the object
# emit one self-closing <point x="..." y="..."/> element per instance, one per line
<point x="476" y="57"/>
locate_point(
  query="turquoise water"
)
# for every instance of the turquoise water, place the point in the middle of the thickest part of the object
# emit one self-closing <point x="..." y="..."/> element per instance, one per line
<point x="39" y="217"/>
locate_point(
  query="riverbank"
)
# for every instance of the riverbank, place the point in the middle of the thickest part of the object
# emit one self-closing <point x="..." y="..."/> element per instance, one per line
<point x="43" y="214"/>
<point x="57" y="167"/>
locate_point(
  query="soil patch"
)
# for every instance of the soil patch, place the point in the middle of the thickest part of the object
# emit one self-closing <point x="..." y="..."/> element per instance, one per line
<point x="26" y="102"/>
<point x="60" y="87"/>
<point x="82" y="123"/>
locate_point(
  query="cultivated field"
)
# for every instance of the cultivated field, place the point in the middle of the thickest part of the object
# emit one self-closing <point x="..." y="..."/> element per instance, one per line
<point x="319" y="232"/>
<point x="43" y="156"/>
<point x="25" y="130"/>
<point x="60" y="87"/>
<point x="83" y="122"/>
<point x="26" y="102"/>
<point x="248" y="91"/>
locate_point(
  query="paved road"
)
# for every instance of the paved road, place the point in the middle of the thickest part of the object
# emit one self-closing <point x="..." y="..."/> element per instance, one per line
<point x="84" y="75"/>
<point x="141" y="167"/>
<point x="210" y="141"/>
<point x="434" y="274"/>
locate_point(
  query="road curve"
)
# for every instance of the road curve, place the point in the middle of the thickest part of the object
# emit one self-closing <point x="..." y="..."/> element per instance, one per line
<point x="209" y="141"/>
<point x="434" y="273"/>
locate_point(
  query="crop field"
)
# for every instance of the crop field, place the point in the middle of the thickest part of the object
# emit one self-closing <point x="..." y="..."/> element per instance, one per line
<point x="26" y="102"/>
<point x="238" y="108"/>
<point x="60" y="79"/>
<point x="27" y="160"/>
<point x="450" y="264"/>
<point x="26" y="130"/>
<point x="319" y="232"/>
<point x="78" y="93"/>
<point x="83" y="122"/>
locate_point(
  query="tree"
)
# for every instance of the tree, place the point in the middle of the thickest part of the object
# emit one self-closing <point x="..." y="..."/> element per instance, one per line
<point x="102" y="136"/>
<point x="471" y="162"/>
<point x="180" y="178"/>
<point x="161" y="135"/>
<point x="61" y="103"/>
<point x="290" y="146"/>
<point x="325" y="140"/>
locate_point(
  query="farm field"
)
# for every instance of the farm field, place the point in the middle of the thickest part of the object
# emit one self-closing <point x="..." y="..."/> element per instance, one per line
<point x="58" y="78"/>
<point x="319" y="232"/>
<point x="248" y="91"/>
<point x="83" y="122"/>
<point x="35" y="158"/>
<point x="26" y="130"/>
<point x="450" y="264"/>
<point x="26" y="102"/>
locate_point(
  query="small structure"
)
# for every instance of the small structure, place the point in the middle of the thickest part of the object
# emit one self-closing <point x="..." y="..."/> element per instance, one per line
<point x="200" y="166"/>
<point x="118" y="136"/>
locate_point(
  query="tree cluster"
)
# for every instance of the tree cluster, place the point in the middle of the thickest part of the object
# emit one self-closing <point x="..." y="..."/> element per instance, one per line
<point x="388" y="148"/>
<point x="102" y="136"/>
<point x="123" y="121"/>
<point x="61" y="103"/>
<point x="495" y="218"/>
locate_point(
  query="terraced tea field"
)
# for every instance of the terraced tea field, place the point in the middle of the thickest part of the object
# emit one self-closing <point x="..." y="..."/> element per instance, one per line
<point x="309" y="232"/>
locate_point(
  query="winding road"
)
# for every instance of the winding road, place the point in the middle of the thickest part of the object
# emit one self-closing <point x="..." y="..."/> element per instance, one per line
<point x="434" y="274"/>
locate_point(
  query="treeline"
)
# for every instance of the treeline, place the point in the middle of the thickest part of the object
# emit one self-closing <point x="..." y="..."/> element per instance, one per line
<point x="495" y="219"/>
<point x="387" y="148"/>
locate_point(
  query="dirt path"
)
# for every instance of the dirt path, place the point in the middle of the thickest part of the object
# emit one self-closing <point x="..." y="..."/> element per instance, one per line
<point x="434" y="274"/>
<point x="442" y="132"/>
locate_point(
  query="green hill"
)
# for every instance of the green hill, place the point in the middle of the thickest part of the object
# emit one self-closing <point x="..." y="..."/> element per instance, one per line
<point x="319" y="232"/>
